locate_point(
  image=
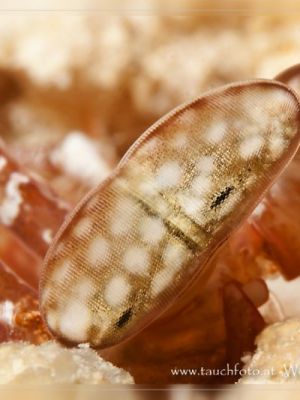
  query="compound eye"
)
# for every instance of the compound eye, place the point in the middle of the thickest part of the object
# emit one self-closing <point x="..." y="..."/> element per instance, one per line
<point x="139" y="239"/>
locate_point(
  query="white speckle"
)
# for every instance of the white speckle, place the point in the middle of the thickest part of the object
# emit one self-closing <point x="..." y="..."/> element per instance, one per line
<point x="161" y="281"/>
<point x="84" y="289"/>
<point x="75" y="321"/>
<point x="60" y="249"/>
<point x="242" y="128"/>
<point x="205" y="165"/>
<point x="3" y="162"/>
<point x="47" y="235"/>
<point x="216" y="132"/>
<point x="277" y="127"/>
<point x="83" y="227"/>
<point x="84" y="346"/>
<point x="179" y="140"/>
<point x="251" y="146"/>
<point x="175" y="256"/>
<point x="281" y="98"/>
<point x="291" y="131"/>
<point x="62" y="271"/>
<point x="136" y="260"/>
<point x="152" y="230"/>
<point x="122" y="216"/>
<point x="277" y="145"/>
<point x="250" y="181"/>
<point x="98" y="250"/>
<point x="188" y="117"/>
<point x="258" y="116"/>
<point x="192" y="206"/>
<point x="150" y="146"/>
<point x="119" y="226"/>
<point x="259" y="210"/>
<point x="7" y="312"/>
<point x="168" y="175"/>
<point x="148" y="188"/>
<point x="78" y="156"/>
<point x="201" y="185"/>
<point x="10" y="207"/>
<point x="116" y="291"/>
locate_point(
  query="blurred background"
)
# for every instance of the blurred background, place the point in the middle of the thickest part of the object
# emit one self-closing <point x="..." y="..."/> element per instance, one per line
<point x="111" y="74"/>
<point x="110" y="69"/>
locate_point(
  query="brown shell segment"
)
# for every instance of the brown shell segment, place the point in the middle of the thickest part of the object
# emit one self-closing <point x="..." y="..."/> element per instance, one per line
<point x="27" y="207"/>
<point x="133" y="244"/>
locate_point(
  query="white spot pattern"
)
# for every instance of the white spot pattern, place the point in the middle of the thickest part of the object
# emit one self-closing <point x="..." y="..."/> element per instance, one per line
<point x="122" y="217"/>
<point x="47" y="235"/>
<point x="75" y="321"/>
<point x="191" y="205"/>
<point x="216" y="132"/>
<point x="259" y="210"/>
<point x="83" y="227"/>
<point x="277" y="145"/>
<point x="179" y="140"/>
<point x="61" y="271"/>
<point x="3" y="162"/>
<point x="116" y="291"/>
<point x="152" y="230"/>
<point x="251" y="146"/>
<point x="136" y="260"/>
<point x="148" y="188"/>
<point x="10" y="207"/>
<point x="84" y="289"/>
<point x="161" y="281"/>
<point x="150" y="146"/>
<point x="98" y="250"/>
<point x="168" y="175"/>
<point x="205" y="165"/>
<point x="174" y="256"/>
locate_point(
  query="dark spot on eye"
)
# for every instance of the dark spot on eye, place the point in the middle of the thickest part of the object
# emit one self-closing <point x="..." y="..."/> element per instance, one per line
<point x="125" y="317"/>
<point x="221" y="197"/>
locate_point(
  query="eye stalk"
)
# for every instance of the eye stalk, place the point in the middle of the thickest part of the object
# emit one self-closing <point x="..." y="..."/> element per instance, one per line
<point x="138" y="240"/>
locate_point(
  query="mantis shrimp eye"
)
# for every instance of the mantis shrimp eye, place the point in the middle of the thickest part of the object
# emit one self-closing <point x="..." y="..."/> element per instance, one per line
<point x="142" y="237"/>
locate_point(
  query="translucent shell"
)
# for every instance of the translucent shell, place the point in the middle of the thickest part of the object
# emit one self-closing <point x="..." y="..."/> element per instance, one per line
<point x="291" y="77"/>
<point x="142" y="237"/>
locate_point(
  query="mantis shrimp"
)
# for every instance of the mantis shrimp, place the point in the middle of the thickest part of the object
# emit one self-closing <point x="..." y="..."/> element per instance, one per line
<point x="160" y="266"/>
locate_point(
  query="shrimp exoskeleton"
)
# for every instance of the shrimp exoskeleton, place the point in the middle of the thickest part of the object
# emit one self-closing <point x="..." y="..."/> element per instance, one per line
<point x="144" y="235"/>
